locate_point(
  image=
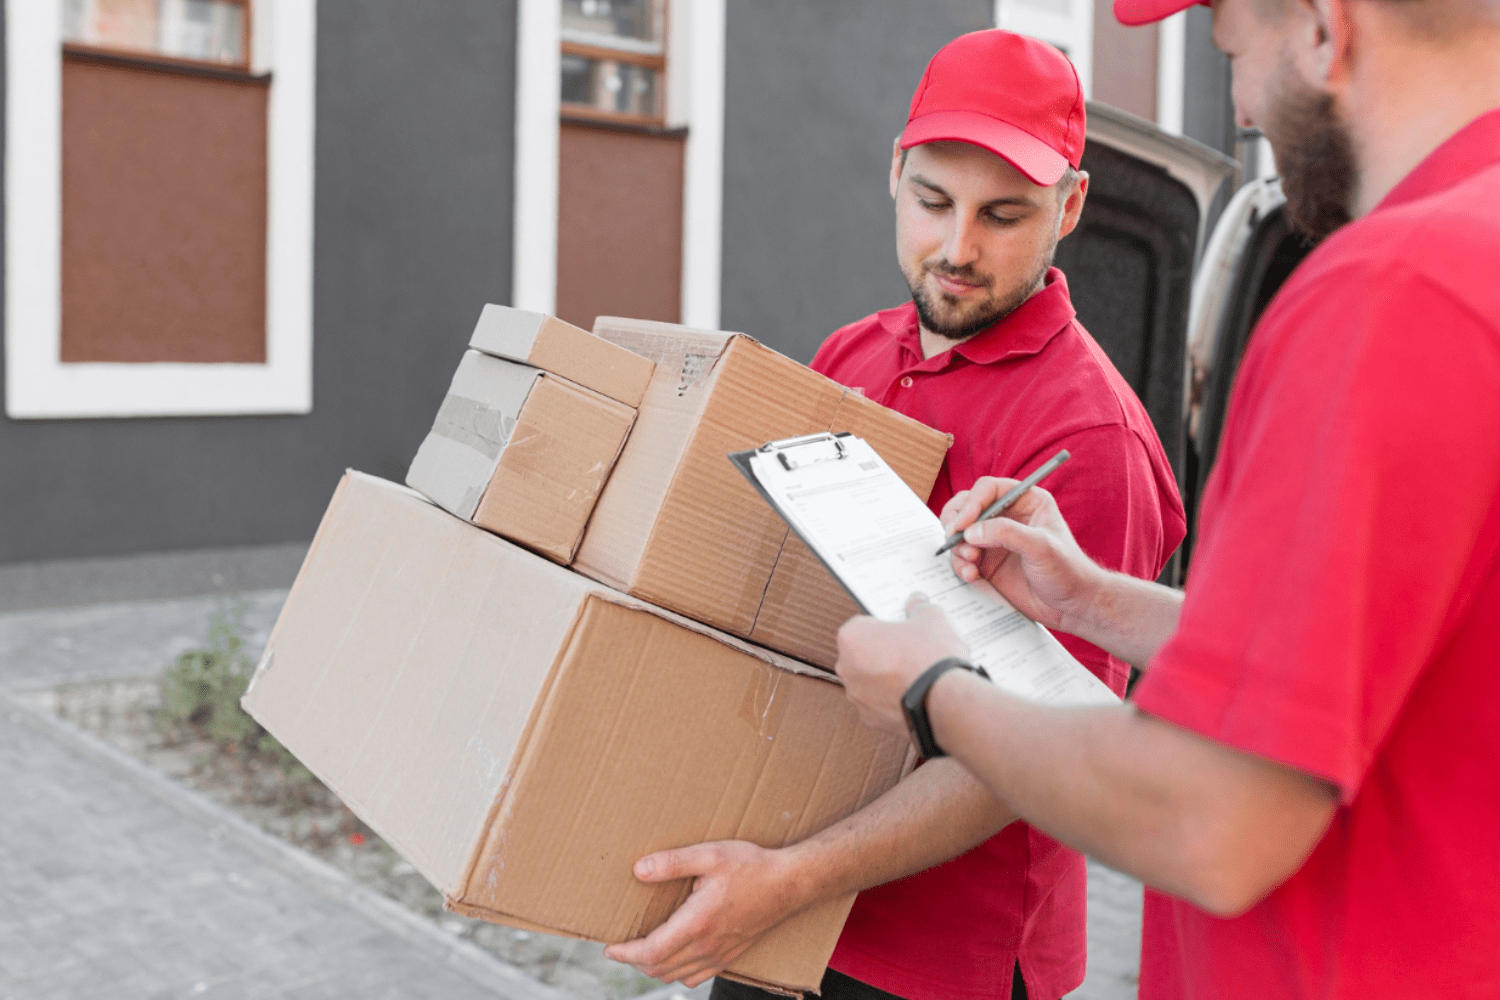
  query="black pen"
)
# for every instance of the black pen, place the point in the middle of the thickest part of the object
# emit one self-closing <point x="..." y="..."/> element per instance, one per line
<point x="1011" y="496"/>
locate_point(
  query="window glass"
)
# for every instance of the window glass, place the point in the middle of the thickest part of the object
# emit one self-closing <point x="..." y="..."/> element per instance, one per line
<point x="205" y="30"/>
<point x="609" y="85"/>
<point x="636" y="24"/>
<point x="613" y="57"/>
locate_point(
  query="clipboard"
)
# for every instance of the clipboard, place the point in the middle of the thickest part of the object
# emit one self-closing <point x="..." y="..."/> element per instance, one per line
<point x="879" y="540"/>
<point x="794" y="453"/>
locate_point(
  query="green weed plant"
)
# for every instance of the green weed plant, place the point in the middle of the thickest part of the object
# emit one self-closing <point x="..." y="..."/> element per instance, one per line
<point x="203" y="689"/>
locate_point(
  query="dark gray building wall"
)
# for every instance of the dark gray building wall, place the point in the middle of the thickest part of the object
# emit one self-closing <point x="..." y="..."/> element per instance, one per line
<point x="815" y="95"/>
<point x="412" y="235"/>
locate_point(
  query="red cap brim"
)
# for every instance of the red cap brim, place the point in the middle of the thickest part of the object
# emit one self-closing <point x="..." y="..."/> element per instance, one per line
<point x="1041" y="164"/>
<point x="1135" y="13"/>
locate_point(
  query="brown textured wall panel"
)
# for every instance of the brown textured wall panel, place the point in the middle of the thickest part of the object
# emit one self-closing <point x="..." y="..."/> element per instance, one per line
<point x="619" y="228"/>
<point x="163" y="215"/>
<point x="1124" y="63"/>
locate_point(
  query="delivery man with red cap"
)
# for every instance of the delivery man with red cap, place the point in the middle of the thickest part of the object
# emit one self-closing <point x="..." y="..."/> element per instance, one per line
<point x="985" y="180"/>
<point x="1309" y="771"/>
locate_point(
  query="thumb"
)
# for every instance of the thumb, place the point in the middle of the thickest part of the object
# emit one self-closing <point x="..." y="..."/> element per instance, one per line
<point x="668" y="866"/>
<point x="916" y="604"/>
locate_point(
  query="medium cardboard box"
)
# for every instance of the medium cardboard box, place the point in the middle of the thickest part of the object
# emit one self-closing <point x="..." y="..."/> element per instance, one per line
<point x="677" y="525"/>
<point x="521" y="452"/>
<point x="522" y="734"/>
<point x="550" y="344"/>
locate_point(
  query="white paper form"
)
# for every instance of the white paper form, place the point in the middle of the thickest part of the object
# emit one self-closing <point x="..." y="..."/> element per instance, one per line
<point x="880" y="540"/>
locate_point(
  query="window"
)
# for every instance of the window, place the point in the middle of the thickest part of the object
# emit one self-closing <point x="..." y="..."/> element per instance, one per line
<point x="614" y="60"/>
<point x="158" y="207"/>
<point x="214" y="31"/>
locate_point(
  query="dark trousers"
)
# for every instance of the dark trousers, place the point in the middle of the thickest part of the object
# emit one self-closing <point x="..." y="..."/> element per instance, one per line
<point x="836" y="986"/>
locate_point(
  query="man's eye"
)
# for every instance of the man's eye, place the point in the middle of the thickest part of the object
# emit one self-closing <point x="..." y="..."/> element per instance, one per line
<point x="932" y="206"/>
<point x="1003" y="220"/>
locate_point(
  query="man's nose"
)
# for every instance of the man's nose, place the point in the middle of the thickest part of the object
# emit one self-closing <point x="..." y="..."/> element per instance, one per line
<point x="962" y="246"/>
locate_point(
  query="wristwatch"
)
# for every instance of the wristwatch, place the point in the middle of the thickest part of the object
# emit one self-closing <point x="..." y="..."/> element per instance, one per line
<point x="915" y="703"/>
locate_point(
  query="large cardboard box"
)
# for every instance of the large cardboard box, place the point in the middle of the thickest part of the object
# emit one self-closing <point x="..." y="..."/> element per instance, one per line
<point x="521" y="452"/>
<point x="677" y="525"/>
<point x="522" y="734"/>
<point x="550" y="344"/>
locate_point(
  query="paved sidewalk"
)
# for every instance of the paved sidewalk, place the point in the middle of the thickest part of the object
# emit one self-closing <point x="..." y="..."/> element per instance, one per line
<point x="116" y="882"/>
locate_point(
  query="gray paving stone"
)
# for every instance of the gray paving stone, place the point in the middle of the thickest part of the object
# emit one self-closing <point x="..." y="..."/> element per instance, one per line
<point x="196" y="918"/>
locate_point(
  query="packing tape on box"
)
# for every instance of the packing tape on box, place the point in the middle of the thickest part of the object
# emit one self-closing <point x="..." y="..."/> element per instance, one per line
<point x="474" y="425"/>
<point x="764" y="703"/>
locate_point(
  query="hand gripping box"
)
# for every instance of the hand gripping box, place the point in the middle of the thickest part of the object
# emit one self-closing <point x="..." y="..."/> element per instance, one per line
<point x="521" y="452"/>
<point x="522" y="734"/>
<point x="677" y="525"/>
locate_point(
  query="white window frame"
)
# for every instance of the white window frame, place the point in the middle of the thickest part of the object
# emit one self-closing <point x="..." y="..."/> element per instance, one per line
<point x="695" y="98"/>
<point x="38" y="385"/>
<point x="1073" y="32"/>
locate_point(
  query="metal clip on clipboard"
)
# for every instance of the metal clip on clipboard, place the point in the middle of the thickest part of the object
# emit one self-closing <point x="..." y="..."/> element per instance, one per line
<point x="809" y="449"/>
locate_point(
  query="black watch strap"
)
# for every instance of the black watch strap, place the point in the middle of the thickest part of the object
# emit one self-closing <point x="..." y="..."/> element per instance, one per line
<point x="915" y="703"/>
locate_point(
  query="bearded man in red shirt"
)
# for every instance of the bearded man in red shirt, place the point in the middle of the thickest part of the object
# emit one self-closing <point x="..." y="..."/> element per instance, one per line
<point x="957" y="901"/>
<point x="1308" y="771"/>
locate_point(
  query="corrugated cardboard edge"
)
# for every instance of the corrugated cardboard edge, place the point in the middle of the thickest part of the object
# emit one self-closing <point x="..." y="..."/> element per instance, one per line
<point x="720" y="364"/>
<point x="456" y="901"/>
<point x="603" y="326"/>
<point x="558" y="555"/>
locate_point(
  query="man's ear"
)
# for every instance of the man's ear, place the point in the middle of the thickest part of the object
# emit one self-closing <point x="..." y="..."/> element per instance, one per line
<point x="1073" y="205"/>
<point x="1324" y="42"/>
<point x="895" y="165"/>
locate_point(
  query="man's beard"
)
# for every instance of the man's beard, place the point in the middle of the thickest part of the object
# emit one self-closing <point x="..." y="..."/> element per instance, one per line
<point x="957" y="325"/>
<point x="1315" y="157"/>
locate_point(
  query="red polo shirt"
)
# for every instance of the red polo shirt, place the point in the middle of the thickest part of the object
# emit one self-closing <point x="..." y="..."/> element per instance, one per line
<point x="1011" y="397"/>
<point x="1343" y="611"/>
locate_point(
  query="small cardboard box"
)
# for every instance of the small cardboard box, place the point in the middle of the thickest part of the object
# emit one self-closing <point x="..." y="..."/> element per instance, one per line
<point x="522" y="734"/>
<point x="677" y="525"/>
<point x="521" y="452"/>
<point x="550" y="344"/>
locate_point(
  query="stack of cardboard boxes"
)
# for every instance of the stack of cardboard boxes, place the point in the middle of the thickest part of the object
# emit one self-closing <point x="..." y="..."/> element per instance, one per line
<point x="581" y="637"/>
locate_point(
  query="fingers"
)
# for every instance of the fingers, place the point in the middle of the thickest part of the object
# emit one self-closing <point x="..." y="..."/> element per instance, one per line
<point x="1003" y="533"/>
<point x="965" y="507"/>
<point x="684" y="862"/>
<point x="682" y="949"/>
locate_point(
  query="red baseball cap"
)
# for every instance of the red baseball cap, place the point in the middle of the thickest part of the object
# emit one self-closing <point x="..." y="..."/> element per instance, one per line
<point x="1137" y="12"/>
<point x="1015" y="96"/>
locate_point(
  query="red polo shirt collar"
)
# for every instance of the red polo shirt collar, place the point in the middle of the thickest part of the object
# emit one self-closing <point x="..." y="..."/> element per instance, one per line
<point x="1464" y="154"/>
<point x="1025" y="331"/>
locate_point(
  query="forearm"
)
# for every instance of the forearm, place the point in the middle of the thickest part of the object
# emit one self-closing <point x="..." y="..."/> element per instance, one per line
<point x="1181" y="813"/>
<point x="1126" y="617"/>
<point x="937" y="813"/>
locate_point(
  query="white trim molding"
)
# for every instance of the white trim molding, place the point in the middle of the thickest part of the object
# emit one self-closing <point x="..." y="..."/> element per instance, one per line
<point x="1171" y="72"/>
<point x="38" y="385"/>
<point x="538" y="105"/>
<point x="703" y="174"/>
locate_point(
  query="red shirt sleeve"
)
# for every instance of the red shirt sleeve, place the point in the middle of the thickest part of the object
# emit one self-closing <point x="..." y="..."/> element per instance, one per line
<point x="1360" y="462"/>
<point x="1107" y="491"/>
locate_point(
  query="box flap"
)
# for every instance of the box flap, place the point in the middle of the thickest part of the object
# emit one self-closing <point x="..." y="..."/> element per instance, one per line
<point x="563" y="349"/>
<point x="771" y="757"/>
<point x="685" y="361"/>
<point x="454" y="464"/>
<point x="565" y="443"/>
<point x="404" y="666"/>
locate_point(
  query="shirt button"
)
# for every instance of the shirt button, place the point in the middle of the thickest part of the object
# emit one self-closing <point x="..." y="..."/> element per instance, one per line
<point x="906" y="382"/>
